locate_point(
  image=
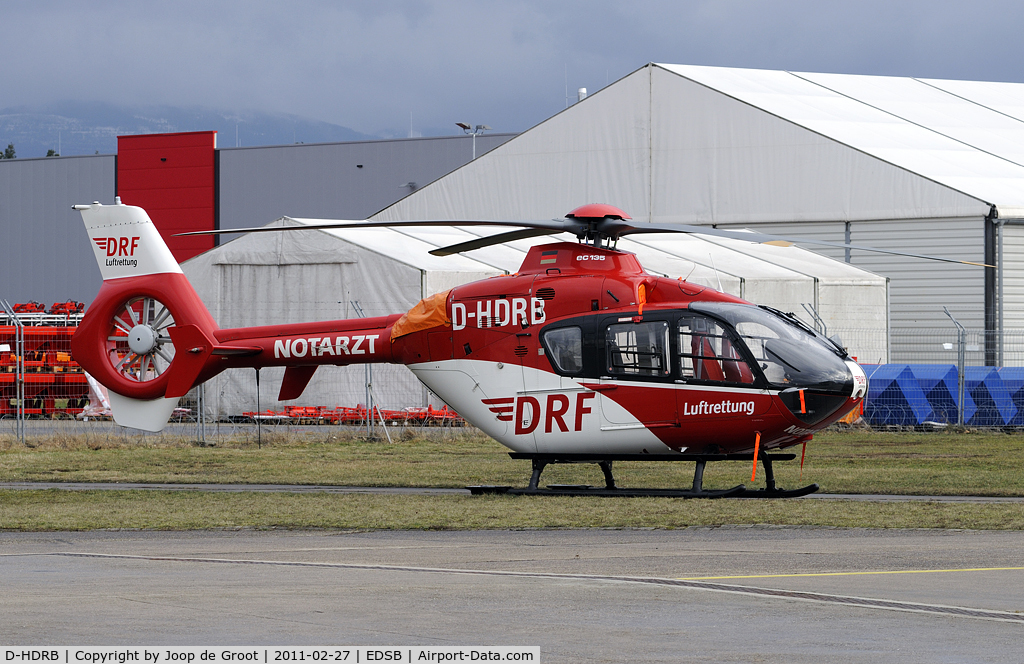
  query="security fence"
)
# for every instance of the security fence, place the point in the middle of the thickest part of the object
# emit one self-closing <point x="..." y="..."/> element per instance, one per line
<point x="917" y="378"/>
<point x="933" y="395"/>
<point x="44" y="391"/>
<point x="911" y="345"/>
<point x="939" y="377"/>
<point x="38" y="377"/>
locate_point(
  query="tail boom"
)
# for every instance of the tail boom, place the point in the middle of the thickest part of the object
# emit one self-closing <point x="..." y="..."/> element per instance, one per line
<point x="338" y="342"/>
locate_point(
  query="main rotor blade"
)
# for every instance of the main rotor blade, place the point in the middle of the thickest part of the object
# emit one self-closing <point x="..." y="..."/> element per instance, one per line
<point x="775" y="240"/>
<point x="555" y="225"/>
<point x="489" y="240"/>
<point x="607" y="227"/>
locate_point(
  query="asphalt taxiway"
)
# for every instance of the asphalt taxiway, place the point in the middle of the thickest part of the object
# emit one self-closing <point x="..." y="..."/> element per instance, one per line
<point x="696" y="594"/>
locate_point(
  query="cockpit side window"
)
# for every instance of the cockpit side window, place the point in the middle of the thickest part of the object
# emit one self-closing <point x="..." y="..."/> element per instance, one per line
<point x="708" y="352"/>
<point x="638" y="349"/>
<point x="564" y="347"/>
<point x="758" y="337"/>
<point x="787" y="352"/>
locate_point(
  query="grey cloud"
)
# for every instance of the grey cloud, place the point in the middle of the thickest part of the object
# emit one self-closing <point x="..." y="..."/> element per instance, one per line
<point x="369" y="65"/>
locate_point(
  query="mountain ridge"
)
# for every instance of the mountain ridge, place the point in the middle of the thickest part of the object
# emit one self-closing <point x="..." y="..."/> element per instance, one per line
<point x="80" y="128"/>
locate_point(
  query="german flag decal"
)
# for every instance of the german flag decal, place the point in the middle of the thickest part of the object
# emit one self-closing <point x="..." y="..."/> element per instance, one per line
<point x="548" y="257"/>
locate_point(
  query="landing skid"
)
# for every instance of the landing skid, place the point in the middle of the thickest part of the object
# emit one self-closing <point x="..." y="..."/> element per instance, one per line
<point x="777" y="493"/>
<point x="585" y="490"/>
<point x="541" y="461"/>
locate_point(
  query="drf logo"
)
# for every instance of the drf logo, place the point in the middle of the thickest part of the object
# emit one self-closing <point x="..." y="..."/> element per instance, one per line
<point x="117" y="246"/>
<point x="528" y="413"/>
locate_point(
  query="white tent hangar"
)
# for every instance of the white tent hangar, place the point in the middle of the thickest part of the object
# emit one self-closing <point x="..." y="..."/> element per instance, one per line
<point x="271" y="278"/>
<point x="926" y="166"/>
<point x="264" y="278"/>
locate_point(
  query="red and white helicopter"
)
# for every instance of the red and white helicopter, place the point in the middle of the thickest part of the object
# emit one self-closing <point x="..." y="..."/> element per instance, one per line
<point x="580" y="356"/>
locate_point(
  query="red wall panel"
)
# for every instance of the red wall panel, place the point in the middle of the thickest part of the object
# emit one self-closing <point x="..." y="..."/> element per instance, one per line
<point x="172" y="177"/>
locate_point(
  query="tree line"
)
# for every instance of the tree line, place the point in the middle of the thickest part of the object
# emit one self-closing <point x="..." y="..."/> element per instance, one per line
<point x="9" y="152"/>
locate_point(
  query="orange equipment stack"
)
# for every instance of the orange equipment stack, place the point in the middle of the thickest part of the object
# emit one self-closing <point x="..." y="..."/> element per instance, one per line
<point x="55" y="386"/>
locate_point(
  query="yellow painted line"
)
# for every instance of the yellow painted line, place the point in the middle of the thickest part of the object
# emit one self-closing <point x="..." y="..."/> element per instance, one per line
<point x="902" y="571"/>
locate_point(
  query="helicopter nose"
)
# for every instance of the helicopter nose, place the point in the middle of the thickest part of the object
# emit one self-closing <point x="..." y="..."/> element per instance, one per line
<point x="860" y="380"/>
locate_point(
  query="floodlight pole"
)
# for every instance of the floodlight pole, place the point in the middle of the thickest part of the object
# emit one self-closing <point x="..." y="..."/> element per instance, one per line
<point x="472" y="131"/>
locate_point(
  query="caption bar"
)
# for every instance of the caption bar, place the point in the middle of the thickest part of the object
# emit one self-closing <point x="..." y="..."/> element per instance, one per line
<point x="267" y="655"/>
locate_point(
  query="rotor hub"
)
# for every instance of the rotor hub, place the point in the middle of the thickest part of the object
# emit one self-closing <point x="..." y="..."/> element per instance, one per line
<point x="597" y="211"/>
<point x="142" y="339"/>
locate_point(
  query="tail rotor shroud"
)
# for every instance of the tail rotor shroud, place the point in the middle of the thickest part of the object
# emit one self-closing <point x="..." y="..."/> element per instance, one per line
<point x="139" y="345"/>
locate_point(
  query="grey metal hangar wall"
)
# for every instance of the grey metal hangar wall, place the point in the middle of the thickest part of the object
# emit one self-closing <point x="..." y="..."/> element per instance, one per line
<point x="48" y="258"/>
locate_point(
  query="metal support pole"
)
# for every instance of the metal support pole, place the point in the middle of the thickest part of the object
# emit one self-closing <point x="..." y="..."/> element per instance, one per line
<point x="368" y="374"/>
<point x="961" y="355"/>
<point x="19" y="375"/>
<point x="259" y="415"/>
<point x="383" y="424"/>
<point x="991" y="288"/>
<point x="1000" y="339"/>
<point x="819" y="322"/>
<point x="201" y="413"/>
<point x="368" y="399"/>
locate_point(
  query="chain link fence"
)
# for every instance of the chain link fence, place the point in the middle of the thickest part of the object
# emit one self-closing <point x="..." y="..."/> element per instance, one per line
<point x="44" y="392"/>
<point x="918" y="377"/>
<point x="914" y="345"/>
<point x="933" y="378"/>
<point x="38" y="377"/>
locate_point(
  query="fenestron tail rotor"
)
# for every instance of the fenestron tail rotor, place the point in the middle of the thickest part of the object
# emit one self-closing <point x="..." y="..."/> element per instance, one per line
<point x="139" y="345"/>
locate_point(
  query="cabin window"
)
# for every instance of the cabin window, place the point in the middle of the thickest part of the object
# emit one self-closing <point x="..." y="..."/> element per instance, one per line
<point x="565" y="349"/>
<point x="639" y="349"/>
<point x="708" y="352"/>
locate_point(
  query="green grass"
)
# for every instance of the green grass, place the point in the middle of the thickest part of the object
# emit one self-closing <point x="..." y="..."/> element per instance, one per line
<point x="842" y="462"/>
<point x="181" y="510"/>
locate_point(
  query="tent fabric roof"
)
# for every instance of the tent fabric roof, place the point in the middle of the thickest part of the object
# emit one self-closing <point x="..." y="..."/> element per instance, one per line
<point x="706" y="145"/>
<point x="402" y="247"/>
<point x="966" y="135"/>
<point x="701" y="259"/>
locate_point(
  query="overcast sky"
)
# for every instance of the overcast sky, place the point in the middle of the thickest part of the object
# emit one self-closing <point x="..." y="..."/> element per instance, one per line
<point x="384" y="68"/>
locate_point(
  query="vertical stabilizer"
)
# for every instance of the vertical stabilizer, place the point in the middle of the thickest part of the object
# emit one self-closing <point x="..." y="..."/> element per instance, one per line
<point x="124" y="340"/>
<point x="126" y="242"/>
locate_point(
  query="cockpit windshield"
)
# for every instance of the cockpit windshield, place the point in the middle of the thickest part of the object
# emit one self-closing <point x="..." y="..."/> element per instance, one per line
<point x="787" y="352"/>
